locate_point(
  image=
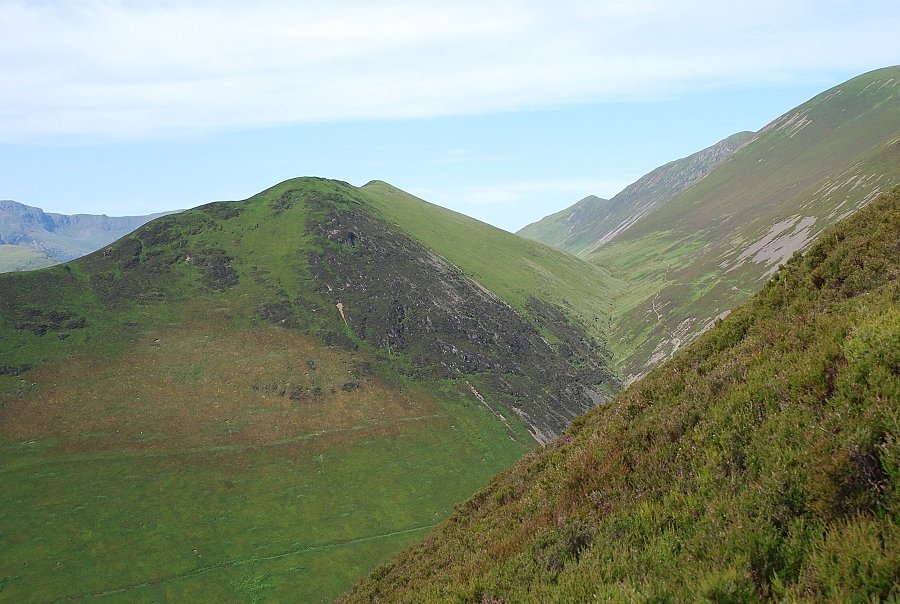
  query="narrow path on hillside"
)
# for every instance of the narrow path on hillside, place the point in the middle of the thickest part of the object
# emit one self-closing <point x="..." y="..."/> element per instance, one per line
<point x="233" y="563"/>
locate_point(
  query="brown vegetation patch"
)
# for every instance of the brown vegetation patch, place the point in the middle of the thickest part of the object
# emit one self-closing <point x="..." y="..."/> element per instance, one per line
<point x="206" y="385"/>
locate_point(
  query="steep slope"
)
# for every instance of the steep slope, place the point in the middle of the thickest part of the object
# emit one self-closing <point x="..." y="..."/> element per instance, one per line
<point x="592" y="222"/>
<point x="527" y="270"/>
<point x="60" y="236"/>
<point x="266" y="398"/>
<point x="705" y="251"/>
<point x="761" y="463"/>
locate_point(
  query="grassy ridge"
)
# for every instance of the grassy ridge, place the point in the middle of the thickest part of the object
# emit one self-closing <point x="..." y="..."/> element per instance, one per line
<point x="760" y="464"/>
<point x="265" y="399"/>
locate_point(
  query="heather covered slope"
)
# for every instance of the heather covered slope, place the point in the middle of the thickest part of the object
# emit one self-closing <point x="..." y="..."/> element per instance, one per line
<point x="592" y="222"/>
<point x="264" y="399"/>
<point x="761" y="463"/>
<point x="708" y="249"/>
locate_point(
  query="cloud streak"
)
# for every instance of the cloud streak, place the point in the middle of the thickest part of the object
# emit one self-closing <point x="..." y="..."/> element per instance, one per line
<point x="129" y="69"/>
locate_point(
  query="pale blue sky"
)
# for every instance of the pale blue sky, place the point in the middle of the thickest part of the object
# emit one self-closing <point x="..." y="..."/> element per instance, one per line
<point x="505" y="111"/>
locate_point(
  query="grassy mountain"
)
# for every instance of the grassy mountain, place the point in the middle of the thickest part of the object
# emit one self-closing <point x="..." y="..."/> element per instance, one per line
<point x="696" y="257"/>
<point x="264" y="399"/>
<point x="57" y="236"/>
<point x="761" y="463"/>
<point x="592" y="222"/>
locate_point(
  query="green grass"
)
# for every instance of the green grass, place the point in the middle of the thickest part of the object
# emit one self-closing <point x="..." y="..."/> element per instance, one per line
<point x="580" y="228"/>
<point x="188" y="482"/>
<point x="760" y="464"/>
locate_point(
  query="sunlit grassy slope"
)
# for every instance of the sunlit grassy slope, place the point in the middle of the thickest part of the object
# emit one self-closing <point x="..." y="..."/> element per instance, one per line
<point x="262" y="400"/>
<point x="762" y="463"/>
<point x="698" y="256"/>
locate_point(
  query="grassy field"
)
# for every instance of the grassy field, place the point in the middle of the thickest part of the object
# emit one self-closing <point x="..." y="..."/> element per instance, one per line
<point x="237" y="465"/>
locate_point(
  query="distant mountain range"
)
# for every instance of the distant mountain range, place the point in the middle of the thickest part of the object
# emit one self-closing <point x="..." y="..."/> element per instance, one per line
<point x="31" y="238"/>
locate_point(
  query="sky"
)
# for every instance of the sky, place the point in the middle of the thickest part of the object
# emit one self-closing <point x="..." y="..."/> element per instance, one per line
<point x="506" y="111"/>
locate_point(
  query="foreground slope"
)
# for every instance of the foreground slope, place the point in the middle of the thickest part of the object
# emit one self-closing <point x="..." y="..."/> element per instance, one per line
<point x="60" y="237"/>
<point x="761" y="463"/>
<point x="592" y="222"/>
<point x="708" y="249"/>
<point x="266" y="398"/>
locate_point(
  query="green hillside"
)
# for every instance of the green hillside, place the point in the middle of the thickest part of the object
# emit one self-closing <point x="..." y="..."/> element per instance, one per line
<point x="592" y="222"/>
<point x="760" y="464"/>
<point x="264" y="399"/>
<point x="701" y="254"/>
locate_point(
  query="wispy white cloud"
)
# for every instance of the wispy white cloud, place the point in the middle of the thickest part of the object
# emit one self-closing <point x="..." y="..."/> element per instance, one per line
<point x="119" y="68"/>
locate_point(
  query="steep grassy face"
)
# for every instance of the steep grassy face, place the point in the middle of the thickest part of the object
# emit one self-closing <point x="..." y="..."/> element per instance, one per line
<point x="701" y="254"/>
<point x="261" y="399"/>
<point x="402" y="297"/>
<point x="760" y="464"/>
<point x="592" y="222"/>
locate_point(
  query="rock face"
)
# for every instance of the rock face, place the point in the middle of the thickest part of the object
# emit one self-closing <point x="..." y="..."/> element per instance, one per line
<point x="592" y="222"/>
<point x="393" y="292"/>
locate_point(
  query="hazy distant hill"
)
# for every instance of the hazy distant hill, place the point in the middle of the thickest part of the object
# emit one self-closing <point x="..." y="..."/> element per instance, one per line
<point x="759" y="465"/>
<point x="57" y="237"/>
<point x="272" y="396"/>
<point x="592" y="222"/>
